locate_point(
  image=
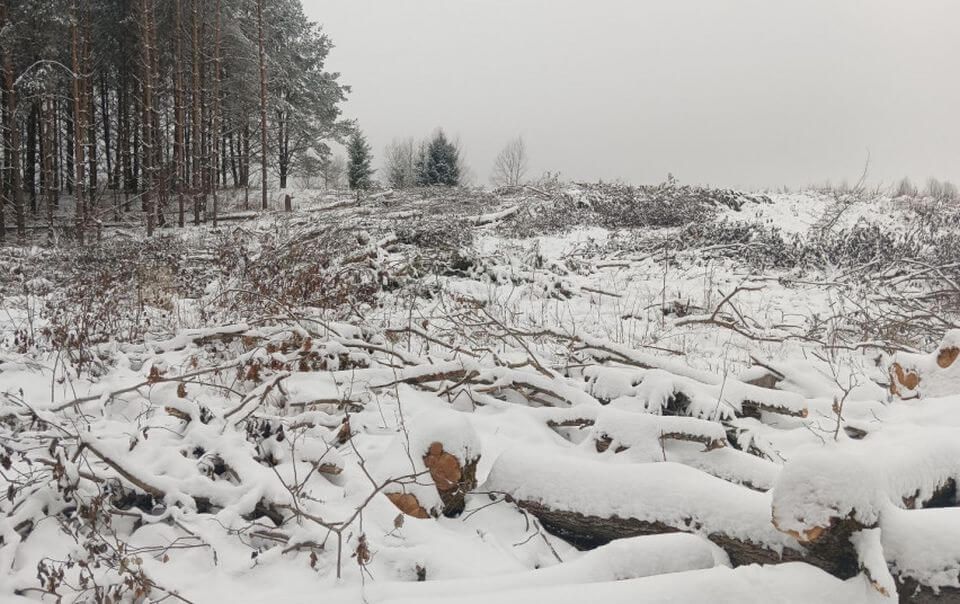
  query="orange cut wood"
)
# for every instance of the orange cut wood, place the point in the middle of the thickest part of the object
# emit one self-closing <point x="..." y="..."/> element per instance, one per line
<point x="899" y="377"/>
<point x="452" y="479"/>
<point x="408" y="504"/>
<point x="444" y="468"/>
<point x="947" y="356"/>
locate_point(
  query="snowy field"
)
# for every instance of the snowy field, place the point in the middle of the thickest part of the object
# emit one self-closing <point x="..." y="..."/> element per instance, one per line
<point x="563" y="394"/>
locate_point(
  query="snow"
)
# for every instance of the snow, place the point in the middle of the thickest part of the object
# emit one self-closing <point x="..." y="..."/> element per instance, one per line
<point x="923" y="545"/>
<point x="548" y="345"/>
<point x="667" y="492"/>
<point x="786" y="583"/>
<point x="861" y="479"/>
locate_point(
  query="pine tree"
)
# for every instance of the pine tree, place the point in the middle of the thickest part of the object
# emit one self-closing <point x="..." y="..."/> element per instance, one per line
<point x="359" y="170"/>
<point x="162" y="98"/>
<point x="439" y="163"/>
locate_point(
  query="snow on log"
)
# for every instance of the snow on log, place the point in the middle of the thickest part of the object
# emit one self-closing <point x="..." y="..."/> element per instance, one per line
<point x="922" y="549"/>
<point x="869" y="550"/>
<point x="824" y="497"/>
<point x="927" y="375"/>
<point x="643" y="433"/>
<point x="590" y="503"/>
<point x="623" y="430"/>
<point x="484" y="219"/>
<point x="644" y="437"/>
<point x="710" y="397"/>
<point x="560" y="391"/>
<point x="821" y="488"/>
<point x="729" y="464"/>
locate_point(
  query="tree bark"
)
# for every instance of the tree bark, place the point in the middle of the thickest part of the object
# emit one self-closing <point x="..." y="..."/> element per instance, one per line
<point x="195" y="139"/>
<point x="30" y="168"/>
<point x="11" y="135"/>
<point x="233" y="162"/>
<point x="47" y="126"/>
<point x="217" y="127"/>
<point x="79" y="108"/>
<point x="178" y="149"/>
<point x="90" y="117"/>
<point x="147" y="120"/>
<point x="263" y="107"/>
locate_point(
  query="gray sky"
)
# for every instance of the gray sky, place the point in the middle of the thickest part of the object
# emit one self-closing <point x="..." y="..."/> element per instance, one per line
<point x="750" y="93"/>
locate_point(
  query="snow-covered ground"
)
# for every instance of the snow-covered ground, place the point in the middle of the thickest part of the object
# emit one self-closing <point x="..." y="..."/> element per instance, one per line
<point x="562" y="414"/>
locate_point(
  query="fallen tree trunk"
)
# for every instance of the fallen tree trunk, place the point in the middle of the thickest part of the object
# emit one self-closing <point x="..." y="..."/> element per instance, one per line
<point x="589" y="532"/>
<point x="589" y="503"/>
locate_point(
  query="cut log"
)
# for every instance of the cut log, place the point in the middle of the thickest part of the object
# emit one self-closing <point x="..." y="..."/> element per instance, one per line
<point x="408" y="504"/>
<point x="453" y="479"/>
<point x="818" y="489"/>
<point x="927" y="375"/>
<point x="443" y="445"/>
<point x="589" y="503"/>
<point x="586" y="532"/>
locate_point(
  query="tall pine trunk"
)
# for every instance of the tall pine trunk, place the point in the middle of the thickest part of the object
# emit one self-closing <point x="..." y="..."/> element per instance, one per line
<point x="195" y="138"/>
<point x="263" y="107"/>
<point x="47" y="152"/>
<point x="216" y="135"/>
<point x="90" y="117"/>
<point x="78" y="120"/>
<point x="147" y="119"/>
<point x="179" y="149"/>
<point x="30" y="168"/>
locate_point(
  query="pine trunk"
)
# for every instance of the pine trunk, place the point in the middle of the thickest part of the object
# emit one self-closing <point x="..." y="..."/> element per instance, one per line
<point x="47" y="138"/>
<point x="195" y="139"/>
<point x="263" y="107"/>
<point x="216" y="135"/>
<point x="14" y="187"/>
<point x="233" y="162"/>
<point x="178" y="149"/>
<point x="79" y="108"/>
<point x="30" y="168"/>
<point x="147" y="120"/>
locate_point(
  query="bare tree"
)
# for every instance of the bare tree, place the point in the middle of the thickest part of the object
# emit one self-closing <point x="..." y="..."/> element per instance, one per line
<point x="511" y="166"/>
<point x="941" y="190"/>
<point x="905" y="188"/>
<point x="400" y="159"/>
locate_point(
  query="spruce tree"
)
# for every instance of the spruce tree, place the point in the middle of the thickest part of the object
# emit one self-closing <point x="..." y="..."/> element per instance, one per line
<point x="359" y="171"/>
<point x="439" y="163"/>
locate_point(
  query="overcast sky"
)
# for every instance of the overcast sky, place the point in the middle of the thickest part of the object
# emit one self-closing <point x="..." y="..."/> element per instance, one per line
<point x="749" y="93"/>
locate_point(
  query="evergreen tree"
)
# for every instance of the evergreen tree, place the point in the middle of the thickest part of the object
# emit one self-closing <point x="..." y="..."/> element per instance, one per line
<point x="359" y="170"/>
<point x="152" y="105"/>
<point x="439" y="162"/>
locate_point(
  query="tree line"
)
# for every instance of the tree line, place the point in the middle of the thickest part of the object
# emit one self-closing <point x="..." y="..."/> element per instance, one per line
<point x="157" y="106"/>
<point x="439" y="161"/>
